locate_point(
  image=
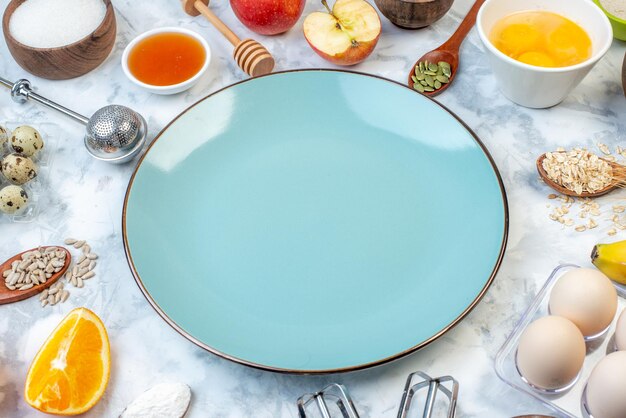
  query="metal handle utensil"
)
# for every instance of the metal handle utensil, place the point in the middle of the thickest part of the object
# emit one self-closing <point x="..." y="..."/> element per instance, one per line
<point x="339" y="395"/>
<point x="434" y="386"/>
<point x="336" y="393"/>
<point x="114" y="134"/>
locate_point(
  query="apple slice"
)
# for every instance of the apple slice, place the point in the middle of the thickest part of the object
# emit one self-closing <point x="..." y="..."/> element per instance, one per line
<point x="347" y="34"/>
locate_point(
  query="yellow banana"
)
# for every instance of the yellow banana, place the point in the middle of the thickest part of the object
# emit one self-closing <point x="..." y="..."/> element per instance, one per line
<point x="610" y="259"/>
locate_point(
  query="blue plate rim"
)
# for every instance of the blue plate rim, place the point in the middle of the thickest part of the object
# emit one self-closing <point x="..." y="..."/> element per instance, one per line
<point x="161" y="312"/>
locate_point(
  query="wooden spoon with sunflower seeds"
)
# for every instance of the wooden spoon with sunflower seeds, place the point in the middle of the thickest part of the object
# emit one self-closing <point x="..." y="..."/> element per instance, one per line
<point x="29" y="288"/>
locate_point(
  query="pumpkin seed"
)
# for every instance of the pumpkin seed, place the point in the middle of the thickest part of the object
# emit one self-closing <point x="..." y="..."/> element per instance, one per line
<point x="431" y="76"/>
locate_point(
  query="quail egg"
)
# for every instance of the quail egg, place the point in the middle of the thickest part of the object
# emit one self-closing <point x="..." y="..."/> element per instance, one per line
<point x="605" y="393"/>
<point x="18" y="169"/>
<point x="551" y="352"/>
<point x="12" y="199"/>
<point x="4" y="136"/>
<point x="26" y="140"/>
<point x="587" y="298"/>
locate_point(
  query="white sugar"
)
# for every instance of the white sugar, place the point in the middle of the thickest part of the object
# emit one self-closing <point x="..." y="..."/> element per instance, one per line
<point x="616" y="7"/>
<point x="54" y="23"/>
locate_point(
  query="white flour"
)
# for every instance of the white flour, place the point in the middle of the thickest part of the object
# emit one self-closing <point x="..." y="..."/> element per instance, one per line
<point x="166" y="400"/>
<point x="616" y="7"/>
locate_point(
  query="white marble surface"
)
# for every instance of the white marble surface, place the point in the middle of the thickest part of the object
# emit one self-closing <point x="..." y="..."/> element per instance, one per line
<point x="88" y="196"/>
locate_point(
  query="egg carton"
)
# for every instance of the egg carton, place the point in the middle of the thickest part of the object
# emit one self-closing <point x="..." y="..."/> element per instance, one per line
<point x="39" y="186"/>
<point x="565" y="402"/>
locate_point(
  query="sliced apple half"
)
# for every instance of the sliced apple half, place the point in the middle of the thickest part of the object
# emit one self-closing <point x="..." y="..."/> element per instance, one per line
<point x="345" y="35"/>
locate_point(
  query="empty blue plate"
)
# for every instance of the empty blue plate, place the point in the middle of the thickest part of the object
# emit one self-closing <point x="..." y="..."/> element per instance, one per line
<point x="315" y="221"/>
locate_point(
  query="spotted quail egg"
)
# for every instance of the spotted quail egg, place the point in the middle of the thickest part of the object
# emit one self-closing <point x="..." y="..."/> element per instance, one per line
<point x="12" y="199"/>
<point x="26" y="140"/>
<point x="18" y="169"/>
<point x="4" y="136"/>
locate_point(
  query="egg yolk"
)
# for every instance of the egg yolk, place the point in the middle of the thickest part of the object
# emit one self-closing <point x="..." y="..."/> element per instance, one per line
<point x="543" y="39"/>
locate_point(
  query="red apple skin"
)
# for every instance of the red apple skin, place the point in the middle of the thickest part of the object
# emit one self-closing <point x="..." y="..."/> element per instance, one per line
<point x="268" y="17"/>
<point x="351" y="56"/>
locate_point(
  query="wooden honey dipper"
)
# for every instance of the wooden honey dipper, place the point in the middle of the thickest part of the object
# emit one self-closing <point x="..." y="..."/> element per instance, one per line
<point x="252" y="57"/>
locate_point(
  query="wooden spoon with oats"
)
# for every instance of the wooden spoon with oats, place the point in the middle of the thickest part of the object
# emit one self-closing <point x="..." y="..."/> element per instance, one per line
<point x="617" y="179"/>
<point x="8" y="296"/>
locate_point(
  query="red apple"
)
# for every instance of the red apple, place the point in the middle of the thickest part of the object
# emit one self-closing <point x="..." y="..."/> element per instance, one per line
<point x="347" y="34"/>
<point x="268" y="17"/>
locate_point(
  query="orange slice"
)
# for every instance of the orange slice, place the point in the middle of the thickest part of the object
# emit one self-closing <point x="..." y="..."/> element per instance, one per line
<point x="71" y="370"/>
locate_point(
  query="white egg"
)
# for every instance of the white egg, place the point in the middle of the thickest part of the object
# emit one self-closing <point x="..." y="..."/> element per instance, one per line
<point x="551" y="352"/>
<point x="620" y="332"/>
<point x="587" y="298"/>
<point x="606" y="387"/>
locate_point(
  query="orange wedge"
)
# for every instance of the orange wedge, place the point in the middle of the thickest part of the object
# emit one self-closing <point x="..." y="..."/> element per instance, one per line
<point x="71" y="370"/>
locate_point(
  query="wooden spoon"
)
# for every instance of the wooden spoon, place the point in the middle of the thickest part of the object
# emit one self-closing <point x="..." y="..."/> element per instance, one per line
<point x="615" y="183"/>
<point x="449" y="50"/>
<point x="9" y="296"/>
<point x="252" y="57"/>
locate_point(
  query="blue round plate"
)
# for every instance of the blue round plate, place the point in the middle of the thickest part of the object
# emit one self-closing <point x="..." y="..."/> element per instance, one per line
<point x="315" y="221"/>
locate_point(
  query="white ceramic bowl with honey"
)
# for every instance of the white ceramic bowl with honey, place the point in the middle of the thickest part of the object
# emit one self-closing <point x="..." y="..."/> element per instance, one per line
<point x="171" y="88"/>
<point x="541" y="87"/>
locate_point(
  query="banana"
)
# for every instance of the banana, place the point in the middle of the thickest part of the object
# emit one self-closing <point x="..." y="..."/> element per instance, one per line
<point x="610" y="259"/>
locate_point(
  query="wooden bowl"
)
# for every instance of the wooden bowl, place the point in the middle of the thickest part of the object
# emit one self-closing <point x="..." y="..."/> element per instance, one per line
<point x="413" y="14"/>
<point x="67" y="61"/>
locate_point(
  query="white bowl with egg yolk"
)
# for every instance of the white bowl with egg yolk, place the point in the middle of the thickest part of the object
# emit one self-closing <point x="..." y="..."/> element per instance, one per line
<point x="541" y="87"/>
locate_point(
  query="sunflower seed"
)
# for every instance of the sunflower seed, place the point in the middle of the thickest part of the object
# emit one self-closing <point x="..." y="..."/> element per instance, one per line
<point x="85" y="263"/>
<point x="11" y="287"/>
<point x="70" y="241"/>
<point x="88" y="275"/>
<point x="26" y="286"/>
<point x="79" y="282"/>
<point x="86" y="249"/>
<point x="50" y="299"/>
<point x="44" y="302"/>
<point x="6" y="273"/>
<point x="79" y="244"/>
<point x="65" y="295"/>
<point x="57" y="297"/>
<point x="92" y="265"/>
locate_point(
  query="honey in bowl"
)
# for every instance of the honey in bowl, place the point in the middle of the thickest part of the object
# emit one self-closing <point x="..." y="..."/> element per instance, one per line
<point x="541" y="38"/>
<point x="165" y="59"/>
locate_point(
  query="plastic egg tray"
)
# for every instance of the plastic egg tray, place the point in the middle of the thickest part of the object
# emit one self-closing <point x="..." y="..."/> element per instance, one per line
<point x="567" y="403"/>
<point x="37" y="187"/>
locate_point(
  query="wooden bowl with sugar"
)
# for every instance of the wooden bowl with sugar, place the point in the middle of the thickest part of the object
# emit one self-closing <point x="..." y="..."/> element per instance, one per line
<point x="67" y="61"/>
